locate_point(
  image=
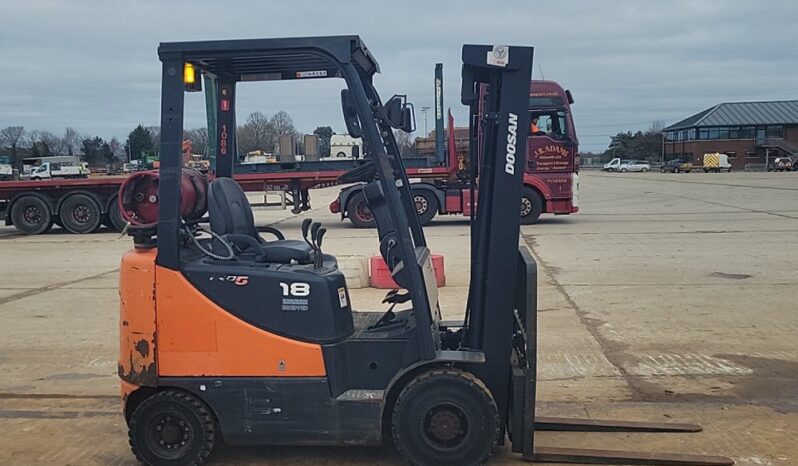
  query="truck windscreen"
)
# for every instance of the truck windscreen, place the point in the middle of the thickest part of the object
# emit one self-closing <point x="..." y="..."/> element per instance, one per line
<point x="545" y="102"/>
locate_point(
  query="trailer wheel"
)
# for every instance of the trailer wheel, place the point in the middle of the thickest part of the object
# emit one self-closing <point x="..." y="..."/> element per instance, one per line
<point x="531" y="206"/>
<point x="115" y="219"/>
<point x="445" y="417"/>
<point x="31" y="215"/>
<point x="359" y="213"/>
<point x="172" y="427"/>
<point x="80" y="214"/>
<point x="426" y="205"/>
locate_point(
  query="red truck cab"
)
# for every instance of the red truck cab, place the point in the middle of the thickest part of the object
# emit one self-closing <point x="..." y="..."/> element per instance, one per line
<point x="553" y="151"/>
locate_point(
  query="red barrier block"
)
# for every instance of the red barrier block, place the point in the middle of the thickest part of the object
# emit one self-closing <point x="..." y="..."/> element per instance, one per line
<point x="381" y="277"/>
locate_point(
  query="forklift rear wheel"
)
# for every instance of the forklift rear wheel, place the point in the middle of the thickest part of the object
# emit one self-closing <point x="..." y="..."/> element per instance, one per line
<point x="359" y="212"/>
<point x="445" y="417"/>
<point x="172" y="427"/>
<point x="31" y="215"/>
<point x="80" y="214"/>
<point x="426" y="206"/>
<point x="531" y="206"/>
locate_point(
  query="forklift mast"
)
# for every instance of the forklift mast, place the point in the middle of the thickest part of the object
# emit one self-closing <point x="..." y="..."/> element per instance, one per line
<point x="495" y="227"/>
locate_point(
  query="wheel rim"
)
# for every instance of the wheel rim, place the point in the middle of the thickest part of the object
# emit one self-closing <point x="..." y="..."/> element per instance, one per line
<point x="526" y="206"/>
<point x="422" y="204"/>
<point x="445" y="426"/>
<point x="81" y="214"/>
<point x="32" y="215"/>
<point x="363" y="212"/>
<point x="169" y="435"/>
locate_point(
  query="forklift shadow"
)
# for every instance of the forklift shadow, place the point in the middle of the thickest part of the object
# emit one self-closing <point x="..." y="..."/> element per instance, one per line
<point x="307" y="455"/>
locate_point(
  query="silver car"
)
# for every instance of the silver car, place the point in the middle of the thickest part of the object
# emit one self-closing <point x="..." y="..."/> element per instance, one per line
<point x="635" y="166"/>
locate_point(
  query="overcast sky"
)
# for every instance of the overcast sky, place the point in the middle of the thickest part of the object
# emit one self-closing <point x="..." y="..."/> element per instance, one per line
<point x="93" y="64"/>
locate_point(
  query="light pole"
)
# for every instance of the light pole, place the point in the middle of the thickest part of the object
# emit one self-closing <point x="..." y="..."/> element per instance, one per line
<point x="424" y="110"/>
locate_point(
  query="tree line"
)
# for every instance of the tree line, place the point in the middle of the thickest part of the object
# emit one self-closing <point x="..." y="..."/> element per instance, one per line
<point x="258" y="132"/>
<point x="640" y="145"/>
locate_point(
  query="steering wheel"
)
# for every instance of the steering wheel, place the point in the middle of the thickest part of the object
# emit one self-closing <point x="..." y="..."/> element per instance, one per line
<point x="230" y="251"/>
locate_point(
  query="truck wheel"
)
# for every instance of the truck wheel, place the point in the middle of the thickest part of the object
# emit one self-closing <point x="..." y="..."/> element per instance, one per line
<point x="80" y="214"/>
<point x="426" y="205"/>
<point x="531" y="206"/>
<point x="31" y="215"/>
<point x="359" y="213"/>
<point x="172" y="427"/>
<point x="445" y="417"/>
<point x="115" y="219"/>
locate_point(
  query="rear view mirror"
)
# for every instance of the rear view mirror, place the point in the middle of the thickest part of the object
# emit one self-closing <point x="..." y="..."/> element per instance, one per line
<point x="350" y="115"/>
<point x="398" y="113"/>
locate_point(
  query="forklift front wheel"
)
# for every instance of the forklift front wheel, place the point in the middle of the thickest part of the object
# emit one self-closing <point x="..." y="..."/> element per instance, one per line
<point x="172" y="427"/>
<point x="531" y="206"/>
<point x="445" y="417"/>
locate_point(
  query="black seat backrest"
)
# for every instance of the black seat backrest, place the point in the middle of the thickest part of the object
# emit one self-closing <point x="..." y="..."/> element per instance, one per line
<point x="229" y="210"/>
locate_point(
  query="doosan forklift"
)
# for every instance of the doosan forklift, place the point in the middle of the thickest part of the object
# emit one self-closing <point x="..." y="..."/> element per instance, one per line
<point x="228" y="336"/>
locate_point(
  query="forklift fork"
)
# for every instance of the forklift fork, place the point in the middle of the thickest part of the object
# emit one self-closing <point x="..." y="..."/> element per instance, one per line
<point x="526" y="422"/>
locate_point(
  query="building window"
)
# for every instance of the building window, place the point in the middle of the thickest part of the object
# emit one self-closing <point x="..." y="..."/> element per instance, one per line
<point x="703" y="133"/>
<point x="732" y="154"/>
<point x="750" y="155"/>
<point x="714" y="133"/>
<point x="774" y="132"/>
<point x="747" y="132"/>
<point x="734" y="132"/>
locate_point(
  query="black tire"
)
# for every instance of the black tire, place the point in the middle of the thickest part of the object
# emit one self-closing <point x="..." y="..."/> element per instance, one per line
<point x="80" y="214"/>
<point x="358" y="211"/>
<point x="445" y="417"/>
<point x="426" y="205"/>
<point x="31" y="215"/>
<point x="676" y="170"/>
<point x="624" y="170"/>
<point x="172" y="427"/>
<point x="644" y="170"/>
<point x="115" y="219"/>
<point x="531" y="206"/>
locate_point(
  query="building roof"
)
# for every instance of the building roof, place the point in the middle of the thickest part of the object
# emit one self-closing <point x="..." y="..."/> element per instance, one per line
<point x="779" y="112"/>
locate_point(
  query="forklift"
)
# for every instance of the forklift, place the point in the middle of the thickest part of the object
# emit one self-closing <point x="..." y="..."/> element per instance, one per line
<point x="226" y="335"/>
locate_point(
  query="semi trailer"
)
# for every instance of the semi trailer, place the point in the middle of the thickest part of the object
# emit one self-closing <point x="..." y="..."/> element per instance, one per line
<point x="551" y="177"/>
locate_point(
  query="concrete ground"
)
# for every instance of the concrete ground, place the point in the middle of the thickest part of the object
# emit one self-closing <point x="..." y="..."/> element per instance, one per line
<point x="669" y="297"/>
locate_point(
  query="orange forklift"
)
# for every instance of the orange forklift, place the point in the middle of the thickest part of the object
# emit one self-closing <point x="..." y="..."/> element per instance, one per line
<point x="229" y="336"/>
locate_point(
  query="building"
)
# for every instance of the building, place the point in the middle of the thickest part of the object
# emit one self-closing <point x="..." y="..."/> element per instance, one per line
<point x="752" y="134"/>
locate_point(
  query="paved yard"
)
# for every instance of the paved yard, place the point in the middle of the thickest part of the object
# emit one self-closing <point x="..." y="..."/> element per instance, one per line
<point x="669" y="297"/>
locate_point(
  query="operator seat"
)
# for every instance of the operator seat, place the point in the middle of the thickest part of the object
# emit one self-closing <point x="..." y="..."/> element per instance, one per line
<point x="231" y="218"/>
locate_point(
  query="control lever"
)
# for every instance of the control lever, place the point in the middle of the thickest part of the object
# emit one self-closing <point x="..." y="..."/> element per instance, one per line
<point x="395" y="297"/>
<point x="305" y="228"/>
<point x="319" y="237"/>
<point x="314" y="232"/>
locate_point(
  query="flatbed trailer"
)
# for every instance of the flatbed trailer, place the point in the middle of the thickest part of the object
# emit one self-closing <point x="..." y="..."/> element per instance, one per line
<point x="83" y="205"/>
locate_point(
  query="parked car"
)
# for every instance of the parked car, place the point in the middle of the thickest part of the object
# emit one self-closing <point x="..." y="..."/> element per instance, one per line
<point x="634" y="166"/>
<point x="785" y="164"/>
<point x="676" y="166"/>
<point x="614" y="165"/>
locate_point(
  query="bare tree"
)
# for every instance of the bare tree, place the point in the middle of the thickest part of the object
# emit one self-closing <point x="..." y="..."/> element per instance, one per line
<point x="656" y="126"/>
<point x="117" y="149"/>
<point x="199" y="140"/>
<point x="282" y="123"/>
<point x="258" y="133"/>
<point x="31" y="138"/>
<point x="72" y="141"/>
<point x="11" y="137"/>
<point x="50" y="142"/>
